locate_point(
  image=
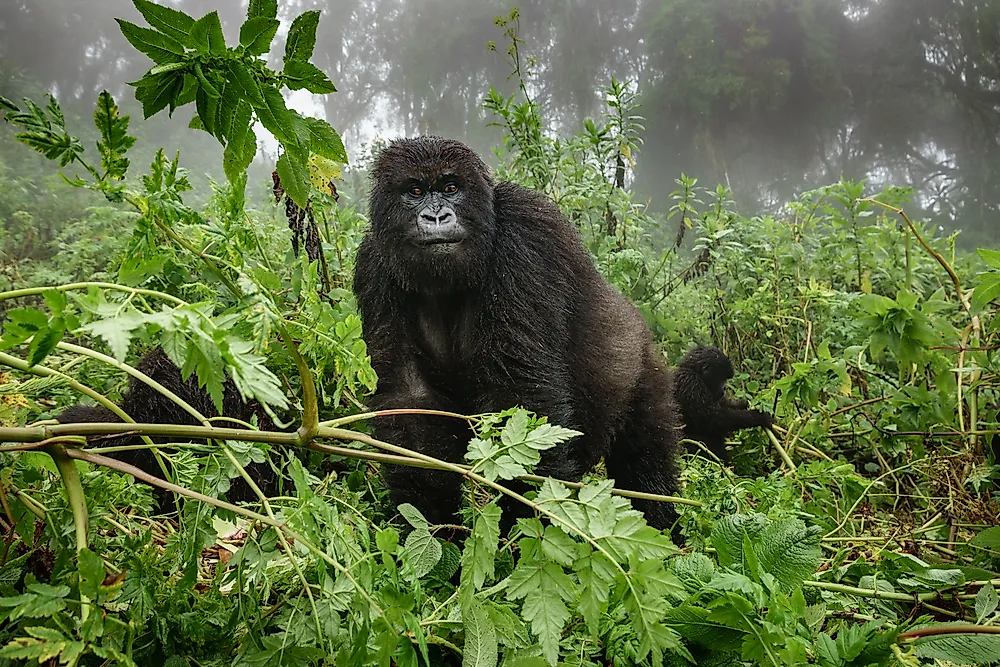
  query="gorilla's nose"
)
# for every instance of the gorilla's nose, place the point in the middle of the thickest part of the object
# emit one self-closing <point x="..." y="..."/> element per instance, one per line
<point x="440" y="217"/>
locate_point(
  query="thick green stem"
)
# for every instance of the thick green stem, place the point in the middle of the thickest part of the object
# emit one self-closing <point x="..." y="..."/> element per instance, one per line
<point x="32" y="291"/>
<point x="882" y="595"/>
<point x="77" y="503"/>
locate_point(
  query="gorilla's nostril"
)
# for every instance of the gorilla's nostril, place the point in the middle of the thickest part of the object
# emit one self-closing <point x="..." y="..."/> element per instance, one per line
<point x="445" y="216"/>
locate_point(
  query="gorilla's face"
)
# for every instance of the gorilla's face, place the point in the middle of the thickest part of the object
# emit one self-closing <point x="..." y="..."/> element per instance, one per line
<point x="431" y="210"/>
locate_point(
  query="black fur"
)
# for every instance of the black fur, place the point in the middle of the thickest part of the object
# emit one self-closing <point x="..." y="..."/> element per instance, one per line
<point x="700" y="390"/>
<point x="516" y="314"/>
<point x="146" y="405"/>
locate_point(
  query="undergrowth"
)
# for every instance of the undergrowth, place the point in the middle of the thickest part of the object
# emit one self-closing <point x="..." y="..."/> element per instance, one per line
<point x="861" y="531"/>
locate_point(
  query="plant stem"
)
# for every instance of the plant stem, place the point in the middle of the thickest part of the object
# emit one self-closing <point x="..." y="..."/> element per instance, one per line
<point x="31" y="291"/>
<point x="78" y="504"/>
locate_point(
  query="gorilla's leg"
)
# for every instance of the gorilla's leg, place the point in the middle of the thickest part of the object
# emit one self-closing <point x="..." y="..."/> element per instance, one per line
<point x="436" y="493"/>
<point x="644" y="455"/>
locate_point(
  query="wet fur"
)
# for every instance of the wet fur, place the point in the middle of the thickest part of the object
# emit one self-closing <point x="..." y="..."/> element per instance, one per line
<point x="519" y="316"/>
<point x="146" y="405"/>
<point x="709" y="415"/>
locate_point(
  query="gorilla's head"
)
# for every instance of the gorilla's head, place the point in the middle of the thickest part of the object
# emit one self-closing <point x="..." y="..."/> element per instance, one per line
<point x="711" y="365"/>
<point x="431" y="211"/>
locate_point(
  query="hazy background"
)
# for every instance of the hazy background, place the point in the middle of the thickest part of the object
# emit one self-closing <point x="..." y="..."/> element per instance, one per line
<point x="771" y="97"/>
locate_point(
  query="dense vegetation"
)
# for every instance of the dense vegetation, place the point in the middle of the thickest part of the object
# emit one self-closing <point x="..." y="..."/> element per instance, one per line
<point x="862" y="531"/>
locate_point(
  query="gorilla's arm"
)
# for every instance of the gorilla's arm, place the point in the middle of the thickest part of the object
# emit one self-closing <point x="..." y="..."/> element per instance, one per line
<point x="730" y="415"/>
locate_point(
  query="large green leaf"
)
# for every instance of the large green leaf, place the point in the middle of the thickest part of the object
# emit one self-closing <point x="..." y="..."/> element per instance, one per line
<point x="293" y="170"/>
<point x="242" y="144"/>
<point x="256" y="34"/>
<point x="301" y="74"/>
<point x="207" y="36"/>
<point x="170" y="21"/>
<point x="301" y="38"/>
<point x="481" y="648"/>
<point x="161" y="48"/>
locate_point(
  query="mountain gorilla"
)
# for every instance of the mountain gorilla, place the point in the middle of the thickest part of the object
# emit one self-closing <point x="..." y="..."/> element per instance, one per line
<point x="700" y="390"/>
<point x="476" y="297"/>
<point x="145" y="405"/>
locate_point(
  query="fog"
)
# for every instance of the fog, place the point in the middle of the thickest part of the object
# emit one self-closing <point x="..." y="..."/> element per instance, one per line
<point x="771" y="98"/>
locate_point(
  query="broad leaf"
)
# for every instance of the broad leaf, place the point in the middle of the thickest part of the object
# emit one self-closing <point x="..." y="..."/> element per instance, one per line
<point x="423" y="551"/>
<point x="480" y="638"/>
<point x="170" y="21"/>
<point x="257" y="33"/>
<point x="207" y="36"/>
<point x="293" y="170"/>
<point x="301" y="38"/>
<point x="161" y="48"/>
<point x="301" y="74"/>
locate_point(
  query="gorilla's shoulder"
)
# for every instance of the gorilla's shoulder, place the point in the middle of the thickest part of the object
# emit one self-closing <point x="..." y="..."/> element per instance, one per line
<point x="530" y="214"/>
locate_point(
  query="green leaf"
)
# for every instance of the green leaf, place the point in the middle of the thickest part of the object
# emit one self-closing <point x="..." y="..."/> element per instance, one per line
<point x="22" y="324"/>
<point x="413" y="516"/>
<point x="547" y="436"/>
<point x="423" y="551"/>
<point x="545" y="589"/>
<point x="727" y="536"/>
<point x="161" y="48"/>
<point x="44" y="645"/>
<point x="257" y="33"/>
<point x="986" y="602"/>
<point x="207" y="36"/>
<point x="91" y="571"/>
<point x="116" y="332"/>
<point x="44" y="342"/>
<point x="301" y="74"/>
<point x="7" y="104"/>
<point x="244" y="82"/>
<point x="293" y="170"/>
<point x="274" y="116"/>
<point x="480" y="648"/>
<point x="302" y="36"/>
<point x="991" y="257"/>
<point x="961" y="649"/>
<point x="789" y="551"/>
<point x="265" y="8"/>
<point x="170" y="21"/>
<point x="115" y="140"/>
<point x="156" y="92"/>
<point x="241" y="147"/>
<point x="986" y="291"/>
<point x="324" y="140"/>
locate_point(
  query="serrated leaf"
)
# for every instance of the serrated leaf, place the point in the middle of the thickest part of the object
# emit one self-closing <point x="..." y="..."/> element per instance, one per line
<point x="413" y="516"/>
<point x="301" y="74"/>
<point x="727" y="536"/>
<point x="91" y="571"/>
<point x="44" y="342"/>
<point x="991" y="257"/>
<point x="961" y="649"/>
<point x="115" y="140"/>
<point x="158" y="46"/>
<point x="481" y="547"/>
<point x="257" y="33"/>
<point x="545" y="589"/>
<point x="596" y="575"/>
<point x="274" y="115"/>
<point x="560" y="547"/>
<point x="241" y="147"/>
<point x="986" y="602"/>
<point x="293" y="170"/>
<point x="207" y="36"/>
<point x="244" y="82"/>
<point x="988" y="539"/>
<point x="986" y="291"/>
<point x="480" y="648"/>
<point x="423" y="550"/>
<point x="515" y="430"/>
<point x="155" y="92"/>
<point x="789" y="551"/>
<point x="547" y="436"/>
<point x="265" y="8"/>
<point x="694" y="624"/>
<point x="170" y="21"/>
<point x="301" y="38"/>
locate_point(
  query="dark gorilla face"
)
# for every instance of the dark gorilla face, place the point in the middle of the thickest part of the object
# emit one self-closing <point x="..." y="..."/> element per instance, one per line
<point x="713" y="366"/>
<point x="431" y="210"/>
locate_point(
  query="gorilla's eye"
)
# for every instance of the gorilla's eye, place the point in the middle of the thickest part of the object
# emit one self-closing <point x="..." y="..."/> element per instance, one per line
<point x="450" y="189"/>
<point x="417" y="191"/>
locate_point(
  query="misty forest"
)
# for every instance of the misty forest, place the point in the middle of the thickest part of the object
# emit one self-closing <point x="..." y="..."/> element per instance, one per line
<point x="209" y="388"/>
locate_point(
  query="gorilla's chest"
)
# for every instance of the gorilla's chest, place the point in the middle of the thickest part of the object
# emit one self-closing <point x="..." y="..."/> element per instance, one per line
<point x="445" y="332"/>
